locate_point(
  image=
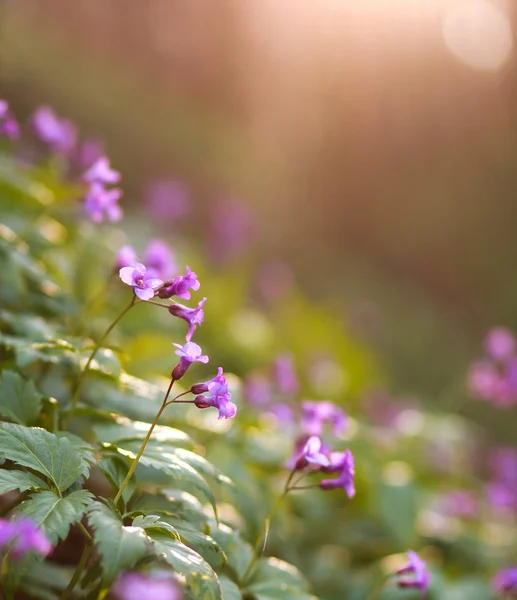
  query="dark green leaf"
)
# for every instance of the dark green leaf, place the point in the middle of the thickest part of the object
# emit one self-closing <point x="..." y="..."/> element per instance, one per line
<point x="230" y="589"/>
<point x="19" y="480"/>
<point x="238" y="551"/>
<point x="275" y="579"/>
<point x="19" y="400"/>
<point x="154" y="522"/>
<point x="116" y="469"/>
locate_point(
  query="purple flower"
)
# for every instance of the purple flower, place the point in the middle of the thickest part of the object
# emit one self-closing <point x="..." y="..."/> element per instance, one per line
<point x="132" y="585"/>
<point x="101" y="172"/>
<point x="59" y="134"/>
<point x="460" y="503"/>
<point x="167" y="199"/>
<point x="482" y="380"/>
<point x="343" y="464"/>
<point x="181" y="285"/>
<point x="88" y="152"/>
<point x="189" y="353"/>
<point x="285" y="374"/>
<point x="193" y="316"/>
<point x="219" y="395"/>
<point x="274" y="280"/>
<point x="313" y="453"/>
<point x="159" y="259"/>
<point x="505" y="581"/>
<point x="232" y="227"/>
<point x="282" y="411"/>
<point x="143" y="285"/>
<point x="414" y="574"/>
<point x="23" y="536"/>
<point x="100" y="203"/>
<point x="257" y="389"/>
<point x="500" y="343"/>
<point x="126" y="257"/>
<point x="8" y="124"/>
<point x="317" y="414"/>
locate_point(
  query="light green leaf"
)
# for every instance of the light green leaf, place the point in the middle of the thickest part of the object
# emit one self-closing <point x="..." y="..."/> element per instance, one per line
<point x="209" y="549"/>
<point x="201" y="580"/>
<point x="238" y="551"/>
<point x="54" y="514"/>
<point x="125" y="429"/>
<point x="274" y="579"/>
<point x="42" y="451"/>
<point x="19" y="480"/>
<point x="116" y="470"/>
<point x="230" y="589"/>
<point x="154" y="522"/>
<point x="173" y="503"/>
<point x="120" y="547"/>
<point x="19" y="400"/>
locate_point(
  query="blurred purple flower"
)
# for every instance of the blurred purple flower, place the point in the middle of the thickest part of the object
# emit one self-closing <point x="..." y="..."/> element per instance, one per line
<point x="133" y="585"/>
<point x="482" y="380"/>
<point x="500" y="344"/>
<point x="8" y="124"/>
<point x="282" y="411"/>
<point x="23" y="536"/>
<point x="285" y="374"/>
<point x="167" y="199"/>
<point x="219" y="395"/>
<point x="100" y="203"/>
<point x="88" y="152"/>
<point x="317" y="414"/>
<point x="126" y="257"/>
<point x="460" y="503"/>
<point x="231" y="230"/>
<point x="274" y="280"/>
<point x="181" y="285"/>
<point x="189" y="353"/>
<point x="341" y="463"/>
<point x="101" y="172"/>
<point x="159" y="260"/>
<point x="505" y="581"/>
<point x="257" y="389"/>
<point x="414" y="574"/>
<point x="501" y="491"/>
<point x="193" y="316"/>
<point x="313" y="453"/>
<point x="142" y="283"/>
<point x="59" y="134"/>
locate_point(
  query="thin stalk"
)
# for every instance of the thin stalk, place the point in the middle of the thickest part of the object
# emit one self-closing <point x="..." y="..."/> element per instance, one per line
<point x="93" y="354"/>
<point x="295" y="488"/>
<point x="78" y="571"/>
<point x="144" y="444"/>
<point x="378" y="588"/>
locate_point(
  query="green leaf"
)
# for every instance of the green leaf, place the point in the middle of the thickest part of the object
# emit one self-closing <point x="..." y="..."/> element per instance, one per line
<point x="55" y="514"/>
<point x="120" y="547"/>
<point x="19" y="480"/>
<point x="125" y="429"/>
<point x="238" y="551"/>
<point x="42" y="451"/>
<point x="274" y="579"/>
<point x="154" y="522"/>
<point x="173" y="503"/>
<point x="201" y="542"/>
<point x="116" y="470"/>
<point x="230" y="589"/>
<point x="19" y="400"/>
<point x="201" y="580"/>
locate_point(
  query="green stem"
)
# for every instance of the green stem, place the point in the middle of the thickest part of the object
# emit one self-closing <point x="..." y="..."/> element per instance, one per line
<point x="144" y="444"/>
<point x="378" y="588"/>
<point x="80" y="381"/>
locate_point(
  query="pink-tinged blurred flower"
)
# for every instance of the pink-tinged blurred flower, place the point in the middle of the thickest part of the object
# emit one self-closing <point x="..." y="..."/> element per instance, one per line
<point x="505" y="582"/>
<point x="414" y="574"/>
<point x="193" y="316"/>
<point x="285" y="374"/>
<point x="133" y="585"/>
<point x="142" y="283"/>
<point x="189" y="353"/>
<point x="101" y="203"/>
<point x="313" y="453"/>
<point x="126" y="257"/>
<point x="500" y="344"/>
<point x="317" y="414"/>
<point x="181" y="285"/>
<point x="274" y="280"/>
<point x="257" y="390"/>
<point x="219" y="395"/>
<point x="101" y="172"/>
<point x="282" y="411"/>
<point x="159" y="260"/>
<point x="8" y="124"/>
<point x="88" y="152"/>
<point x="341" y="463"/>
<point x="167" y="199"/>
<point x="482" y="380"/>
<point x="460" y="503"/>
<point x="22" y="536"/>
<point x="231" y="230"/>
<point x="59" y="134"/>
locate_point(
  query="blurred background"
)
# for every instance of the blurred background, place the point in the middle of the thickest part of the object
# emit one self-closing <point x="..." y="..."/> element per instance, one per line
<point x="365" y="150"/>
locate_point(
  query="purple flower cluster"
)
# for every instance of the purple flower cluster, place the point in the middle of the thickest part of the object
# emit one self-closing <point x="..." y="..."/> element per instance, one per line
<point x="315" y="415"/>
<point x="140" y="280"/>
<point x="133" y="585"/>
<point x="414" y="574"/>
<point x="167" y="199"/>
<point x="505" y="582"/>
<point x="501" y="490"/>
<point x="494" y="378"/>
<point x="60" y="135"/>
<point x="219" y="396"/>
<point x="101" y="202"/>
<point x="22" y="536"/>
<point x="8" y="124"/>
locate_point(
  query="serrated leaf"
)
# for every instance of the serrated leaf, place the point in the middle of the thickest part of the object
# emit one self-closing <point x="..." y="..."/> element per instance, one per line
<point x="237" y="550"/>
<point x="19" y="480"/>
<point x="125" y="429"/>
<point x="201" y="579"/>
<point x="116" y="470"/>
<point x="120" y="547"/>
<point x="173" y="503"/>
<point x="155" y="522"/>
<point x="274" y="579"/>
<point x="19" y="400"/>
<point x="230" y="589"/>
<point x="202" y="543"/>
<point x="42" y="451"/>
<point x="55" y="515"/>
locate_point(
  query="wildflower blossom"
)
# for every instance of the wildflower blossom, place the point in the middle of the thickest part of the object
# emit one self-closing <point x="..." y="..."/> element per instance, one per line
<point x="100" y="203"/>
<point x="282" y="411"/>
<point x="90" y="150"/>
<point x="500" y="343"/>
<point x="193" y="316"/>
<point x="414" y="574"/>
<point x="188" y="353"/>
<point x="257" y="389"/>
<point x="159" y="259"/>
<point x="312" y="454"/>
<point x="181" y="285"/>
<point x="231" y="230"/>
<point x="341" y="463"/>
<point x="126" y="257"/>
<point x="219" y="395"/>
<point x="317" y="414"/>
<point x="59" y="134"/>
<point x="142" y="283"/>
<point x="22" y="536"/>
<point x="132" y="585"/>
<point x="505" y="581"/>
<point x="8" y="124"/>
<point x="285" y="374"/>
<point x="101" y="172"/>
<point x="167" y="199"/>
